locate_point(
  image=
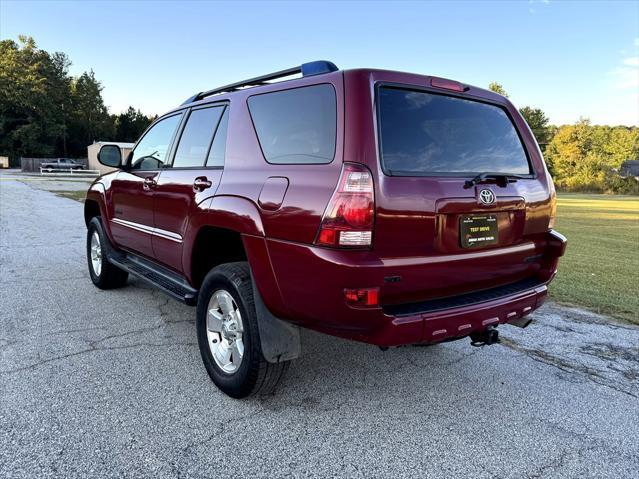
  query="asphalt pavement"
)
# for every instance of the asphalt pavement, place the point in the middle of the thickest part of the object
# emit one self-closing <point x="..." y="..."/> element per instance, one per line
<point x="110" y="384"/>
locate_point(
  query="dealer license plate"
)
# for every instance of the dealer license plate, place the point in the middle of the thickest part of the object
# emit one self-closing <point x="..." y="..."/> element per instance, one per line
<point x="478" y="230"/>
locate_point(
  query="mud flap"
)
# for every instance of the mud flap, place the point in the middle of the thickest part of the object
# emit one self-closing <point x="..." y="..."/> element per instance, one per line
<point x="280" y="340"/>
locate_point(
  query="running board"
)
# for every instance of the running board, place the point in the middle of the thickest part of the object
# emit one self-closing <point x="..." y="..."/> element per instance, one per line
<point x="163" y="279"/>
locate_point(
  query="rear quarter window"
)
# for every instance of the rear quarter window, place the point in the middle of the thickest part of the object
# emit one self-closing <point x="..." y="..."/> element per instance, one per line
<point x="296" y="126"/>
<point x="424" y="133"/>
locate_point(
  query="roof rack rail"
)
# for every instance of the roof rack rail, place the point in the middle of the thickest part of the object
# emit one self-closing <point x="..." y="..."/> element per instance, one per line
<point x="306" y="69"/>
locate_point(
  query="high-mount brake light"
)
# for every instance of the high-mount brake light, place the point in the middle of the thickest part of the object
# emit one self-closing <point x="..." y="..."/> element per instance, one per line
<point x="350" y="215"/>
<point x="448" y="84"/>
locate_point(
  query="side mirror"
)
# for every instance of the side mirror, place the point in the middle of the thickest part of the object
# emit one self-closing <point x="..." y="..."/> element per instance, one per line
<point x="110" y="155"/>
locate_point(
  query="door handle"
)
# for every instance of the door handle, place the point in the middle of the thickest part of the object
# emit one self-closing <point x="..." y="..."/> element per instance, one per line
<point x="149" y="182"/>
<point x="201" y="183"/>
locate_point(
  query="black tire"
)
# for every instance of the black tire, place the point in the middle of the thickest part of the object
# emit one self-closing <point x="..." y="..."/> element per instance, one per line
<point x="255" y="375"/>
<point x="110" y="276"/>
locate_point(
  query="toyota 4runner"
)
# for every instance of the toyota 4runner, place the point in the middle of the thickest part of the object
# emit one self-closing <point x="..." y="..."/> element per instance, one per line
<point x="379" y="206"/>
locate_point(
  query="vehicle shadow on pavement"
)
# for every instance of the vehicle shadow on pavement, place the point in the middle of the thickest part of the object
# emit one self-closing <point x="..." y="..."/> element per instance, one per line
<point x="330" y="371"/>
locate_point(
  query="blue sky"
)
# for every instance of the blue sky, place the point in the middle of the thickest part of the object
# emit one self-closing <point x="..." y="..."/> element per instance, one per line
<point x="571" y="59"/>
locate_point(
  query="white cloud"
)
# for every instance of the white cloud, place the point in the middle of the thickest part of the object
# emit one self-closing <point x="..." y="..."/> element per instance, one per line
<point x="532" y="10"/>
<point x="626" y="75"/>
<point x="620" y="108"/>
<point x="631" y="61"/>
<point x="619" y="105"/>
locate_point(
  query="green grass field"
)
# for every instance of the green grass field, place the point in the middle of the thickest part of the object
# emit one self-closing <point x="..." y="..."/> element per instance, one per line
<point x="74" y="195"/>
<point x="600" y="270"/>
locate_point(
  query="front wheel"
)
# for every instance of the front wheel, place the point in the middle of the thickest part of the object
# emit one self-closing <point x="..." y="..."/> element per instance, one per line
<point x="228" y="335"/>
<point x="104" y="274"/>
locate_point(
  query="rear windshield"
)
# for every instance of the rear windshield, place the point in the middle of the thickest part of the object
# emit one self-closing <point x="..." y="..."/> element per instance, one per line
<point x="425" y="134"/>
<point x="296" y="126"/>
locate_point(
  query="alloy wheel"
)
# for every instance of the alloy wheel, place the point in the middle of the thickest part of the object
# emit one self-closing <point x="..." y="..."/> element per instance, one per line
<point x="224" y="330"/>
<point x="96" y="254"/>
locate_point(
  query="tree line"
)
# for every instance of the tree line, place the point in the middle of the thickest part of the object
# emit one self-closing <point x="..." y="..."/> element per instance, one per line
<point x="583" y="157"/>
<point x="46" y="112"/>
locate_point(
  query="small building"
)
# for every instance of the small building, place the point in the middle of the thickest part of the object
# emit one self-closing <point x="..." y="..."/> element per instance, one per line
<point x="629" y="169"/>
<point x="4" y="162"/>
<point x="92" y="154"/>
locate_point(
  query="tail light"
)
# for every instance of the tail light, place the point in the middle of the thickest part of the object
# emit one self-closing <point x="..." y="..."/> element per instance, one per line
<point x="362" y="297"/>
<point x="349" y="217"/>
<point x="553" y="209"/>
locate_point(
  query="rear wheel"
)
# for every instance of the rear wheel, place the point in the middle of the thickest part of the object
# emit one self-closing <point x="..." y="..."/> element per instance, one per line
<point x="103" y="274"/>
<point x="228" y="334"/>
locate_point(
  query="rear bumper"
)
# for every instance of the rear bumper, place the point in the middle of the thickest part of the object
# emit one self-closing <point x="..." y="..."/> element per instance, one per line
<point x="312" y="281"/>
<point x="461" y="321"/>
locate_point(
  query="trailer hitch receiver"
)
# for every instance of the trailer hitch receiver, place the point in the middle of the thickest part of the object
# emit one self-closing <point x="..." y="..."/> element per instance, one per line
<point x="488" y="336"/>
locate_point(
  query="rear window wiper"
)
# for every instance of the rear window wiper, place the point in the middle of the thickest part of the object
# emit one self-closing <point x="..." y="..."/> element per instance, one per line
<point x="502" y="179"/>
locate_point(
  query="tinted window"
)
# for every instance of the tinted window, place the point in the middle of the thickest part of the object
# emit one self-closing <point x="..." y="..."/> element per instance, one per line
<point x="218" y="148"/>
<point x="196" y="137"/>
<point x="150" y="153"/>
<point x="296" y="126"/>
<point x="424" y="133"/>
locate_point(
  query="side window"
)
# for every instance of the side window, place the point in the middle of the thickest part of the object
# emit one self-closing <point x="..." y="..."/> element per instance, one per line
<point x="218" y="148"/>
<point x="196" y="137"/>
<point x="296" y="126"/>
<point x="150" y="153"/>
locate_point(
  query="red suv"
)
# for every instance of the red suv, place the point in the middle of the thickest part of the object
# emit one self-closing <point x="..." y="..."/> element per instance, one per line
<point x="378" y="206"/>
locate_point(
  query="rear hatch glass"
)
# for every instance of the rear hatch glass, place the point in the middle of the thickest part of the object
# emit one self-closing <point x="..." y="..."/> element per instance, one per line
<point x="429" y="134"/>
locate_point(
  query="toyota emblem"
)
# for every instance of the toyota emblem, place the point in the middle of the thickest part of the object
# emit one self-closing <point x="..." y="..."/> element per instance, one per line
<point x="486" y="197"/>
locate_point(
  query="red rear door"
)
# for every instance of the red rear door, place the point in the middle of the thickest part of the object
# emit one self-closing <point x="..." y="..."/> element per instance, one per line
<point x="192" y="177"/>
